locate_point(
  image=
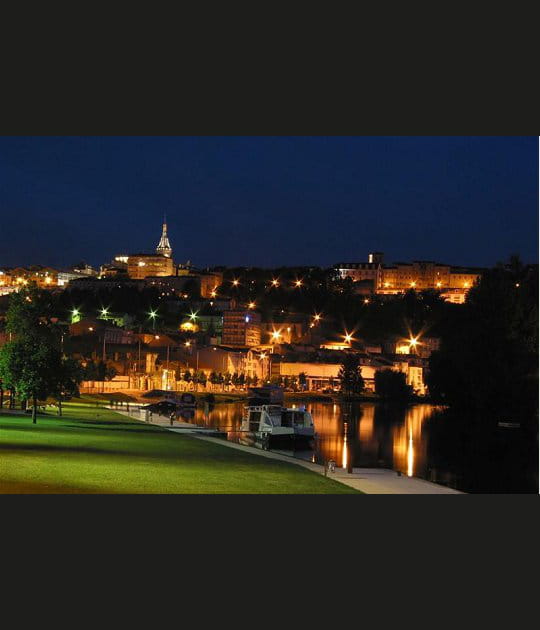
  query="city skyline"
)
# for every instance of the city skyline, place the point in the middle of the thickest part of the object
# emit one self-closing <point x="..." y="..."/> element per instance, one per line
<point x="464" y="201"/>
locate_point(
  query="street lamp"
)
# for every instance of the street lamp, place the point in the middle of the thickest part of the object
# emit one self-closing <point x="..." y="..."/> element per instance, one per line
<point x="153" y="314"/>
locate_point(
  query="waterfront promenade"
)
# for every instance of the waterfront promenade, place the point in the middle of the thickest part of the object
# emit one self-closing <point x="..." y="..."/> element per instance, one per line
<point x="366" y="480"/>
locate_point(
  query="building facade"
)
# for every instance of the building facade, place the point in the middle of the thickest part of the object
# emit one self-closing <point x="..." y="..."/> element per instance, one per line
<point x="241" y="328"/>
<point x="417" y="275"/>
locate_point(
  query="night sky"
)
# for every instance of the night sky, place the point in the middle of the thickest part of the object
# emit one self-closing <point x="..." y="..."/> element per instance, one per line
<point x="269" y="201"/>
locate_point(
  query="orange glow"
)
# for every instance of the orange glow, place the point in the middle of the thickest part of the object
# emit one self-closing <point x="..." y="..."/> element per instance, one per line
<point x="317" y="317"/>
<point x="366" y="301"/>
<point x="410" y="455"/>
<point x="275" y="283"/>
<point x="345" y="450"/>
<point x="439" y="284"/>
<point x="235" y="282"/>
<point x="251" y="305"/>
<point x="348" y="338"/>
<point x="413" y="284"/>
<point x="276" y="334"/>
<point x="298" y="283"/>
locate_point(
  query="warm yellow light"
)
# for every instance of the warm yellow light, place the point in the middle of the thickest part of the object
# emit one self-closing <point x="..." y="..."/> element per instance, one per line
<point x="386" y="284"/>
<point x="413" y="284"/>
<point x="251" y="305"/>
<point x="348" y="338"/>
<point x="366" y="301"/>
<point x="276" y="334"/>
<point x="465" y="284"/>
<point x="187" y="344"/>
<point x="439" y="284"/>
<point x="156" y="336"/>
<point x="413" y="341"/>
<point x="298" y="283"/>
<point x="213" y="294"/>
<point x="90" y="329"/>
<point x="235" y="282"/>
<point x="317" y="318"/>
<point x="263" y="356"/>
<point x="141" y="263"/>
<point x="517" y="284"/>
<point x="275" y="282"/>
<point x="48" y="280"/>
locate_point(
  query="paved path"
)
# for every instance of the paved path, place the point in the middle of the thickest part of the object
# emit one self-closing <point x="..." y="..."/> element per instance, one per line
<point x="367" y="480"/>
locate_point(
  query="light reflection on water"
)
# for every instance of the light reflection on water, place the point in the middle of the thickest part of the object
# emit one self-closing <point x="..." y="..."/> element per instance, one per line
<point x="377" y="435"/>
<point x="365" y="434"/>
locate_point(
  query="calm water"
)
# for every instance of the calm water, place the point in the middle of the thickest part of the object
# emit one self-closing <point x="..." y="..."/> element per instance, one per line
<point x="417" y="441"/>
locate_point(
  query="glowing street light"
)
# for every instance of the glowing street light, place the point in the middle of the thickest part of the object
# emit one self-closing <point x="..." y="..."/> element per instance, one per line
<point x="298" y="284"/>
<point x="193" y="315"/>
<point x="276" y="335"/>
<point x="152" y="315"/>
<point x="251" y="305"/>
<point x="187" y="344"/>
<point x="413" y="284"/>
<point x="275" y="282"/>
<point x="317" y="318"/>
<point x="104" y="312"/>
<point x="348" y="338"/>
<point x="235" y="282"/>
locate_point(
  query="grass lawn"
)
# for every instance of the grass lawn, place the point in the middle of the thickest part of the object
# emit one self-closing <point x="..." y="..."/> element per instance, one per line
<point x="95" y="450"/>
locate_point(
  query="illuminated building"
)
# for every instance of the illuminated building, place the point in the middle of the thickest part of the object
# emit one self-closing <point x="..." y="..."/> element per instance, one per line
<point x="452" y="282"/>
<point x="241" y="328"/>
<point x="141" y="266"/>
<point x="164" y="247"/>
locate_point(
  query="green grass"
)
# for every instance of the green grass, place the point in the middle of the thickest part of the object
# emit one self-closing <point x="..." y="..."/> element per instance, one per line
<point x="95" y="450"/>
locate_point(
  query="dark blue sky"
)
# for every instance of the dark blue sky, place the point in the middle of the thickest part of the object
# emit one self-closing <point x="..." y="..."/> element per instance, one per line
<point x="269" y="201"/>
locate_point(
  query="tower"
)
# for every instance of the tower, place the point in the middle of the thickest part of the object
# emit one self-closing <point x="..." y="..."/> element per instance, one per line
<point x="164" y="247"/>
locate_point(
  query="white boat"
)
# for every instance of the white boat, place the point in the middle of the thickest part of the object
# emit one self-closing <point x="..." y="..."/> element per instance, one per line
<point x="274" y="424"/>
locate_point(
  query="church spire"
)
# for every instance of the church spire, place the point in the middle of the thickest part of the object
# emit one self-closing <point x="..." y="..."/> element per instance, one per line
<point x="164" y="247"/>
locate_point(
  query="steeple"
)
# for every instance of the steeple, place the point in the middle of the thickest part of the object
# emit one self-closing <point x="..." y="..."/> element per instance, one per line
<point x="164" y="247"/>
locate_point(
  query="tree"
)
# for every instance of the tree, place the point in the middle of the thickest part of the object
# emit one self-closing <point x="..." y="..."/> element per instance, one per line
<point x="31" y="363"/>
<point x="392" y="385"/>
<point x="67" y="381"/>
<point x="488" y="358"/>
<point x="350" y="375"/>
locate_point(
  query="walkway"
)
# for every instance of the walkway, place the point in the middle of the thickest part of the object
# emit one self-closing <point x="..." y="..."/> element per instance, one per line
<point x="367" y="480"/>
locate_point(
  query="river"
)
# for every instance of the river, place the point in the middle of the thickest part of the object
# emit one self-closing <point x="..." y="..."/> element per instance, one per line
<point x="417" y="440"/>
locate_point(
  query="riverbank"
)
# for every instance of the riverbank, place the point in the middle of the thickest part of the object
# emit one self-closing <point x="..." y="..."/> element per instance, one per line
<point x="364" y="480"/>
<point x="92" y="449"/>
<point x="138" y="396"/>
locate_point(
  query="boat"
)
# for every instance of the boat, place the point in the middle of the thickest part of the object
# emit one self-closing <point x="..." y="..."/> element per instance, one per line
<point x="275" y="425"/>
<point x="509" y="425"/>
